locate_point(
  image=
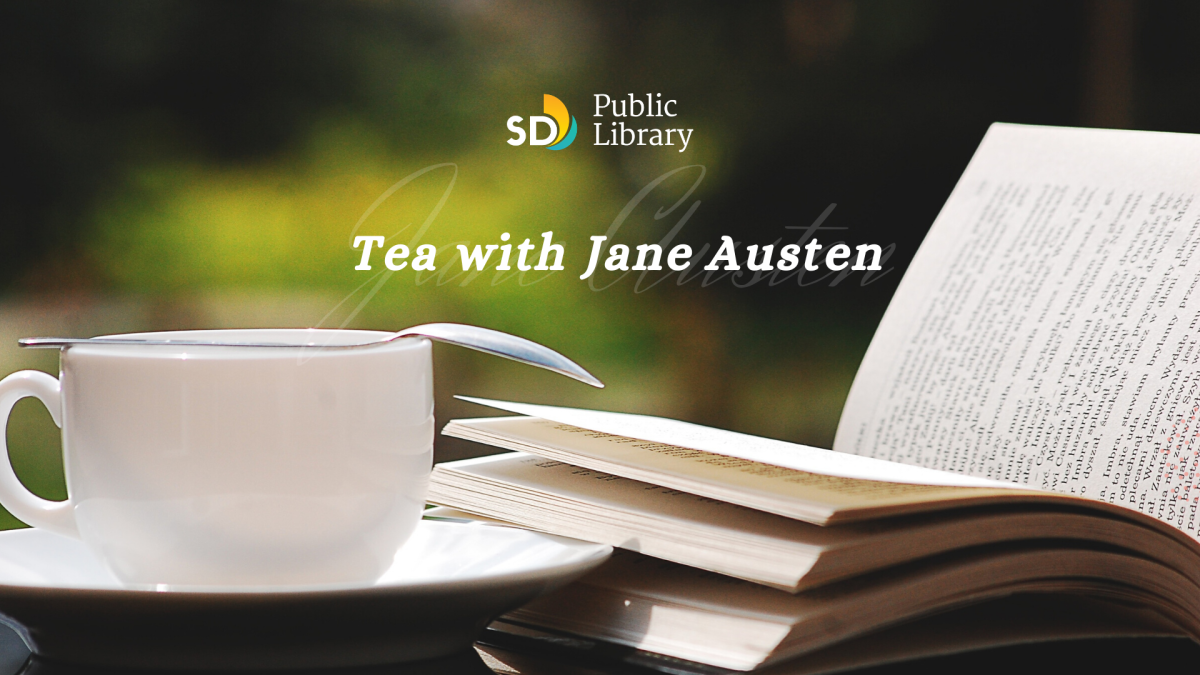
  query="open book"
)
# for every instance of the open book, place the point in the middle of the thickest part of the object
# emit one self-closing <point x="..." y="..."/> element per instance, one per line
<point x="766" y="523"/>
<point x="515" y="649"/>
<point x="850" y="551"/>
<point x="1026" y="419"/>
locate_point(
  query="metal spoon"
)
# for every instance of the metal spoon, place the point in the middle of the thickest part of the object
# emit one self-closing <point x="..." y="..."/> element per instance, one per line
<point x="471" y="337"/>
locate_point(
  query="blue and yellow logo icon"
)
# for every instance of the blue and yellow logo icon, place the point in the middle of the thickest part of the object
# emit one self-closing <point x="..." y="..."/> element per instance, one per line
<point x="559" y="123"/>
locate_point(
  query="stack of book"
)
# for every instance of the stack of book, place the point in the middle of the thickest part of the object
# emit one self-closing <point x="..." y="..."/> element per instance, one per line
<point x="766" y="552"/>
<point x="1017" y="459"/>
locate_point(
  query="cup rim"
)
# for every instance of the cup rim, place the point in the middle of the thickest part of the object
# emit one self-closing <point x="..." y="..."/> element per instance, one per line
<point x="308" y="343"/>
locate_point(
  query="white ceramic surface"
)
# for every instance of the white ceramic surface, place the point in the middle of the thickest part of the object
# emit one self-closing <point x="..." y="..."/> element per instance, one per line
<point x="438" y="554"/>
<point x="441" y="589"/>
<point x="234" y="466"/>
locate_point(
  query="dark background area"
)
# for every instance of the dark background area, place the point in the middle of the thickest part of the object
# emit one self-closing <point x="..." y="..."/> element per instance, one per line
<point x="151" y="147"/>
<point x="874" y="106"/>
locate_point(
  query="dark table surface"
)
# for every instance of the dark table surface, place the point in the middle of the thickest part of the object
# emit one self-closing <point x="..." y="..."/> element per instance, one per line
<point x="1095" y="657"/>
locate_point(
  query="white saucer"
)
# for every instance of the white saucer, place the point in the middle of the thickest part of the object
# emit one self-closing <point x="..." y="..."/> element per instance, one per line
<point x="448" y="582"/>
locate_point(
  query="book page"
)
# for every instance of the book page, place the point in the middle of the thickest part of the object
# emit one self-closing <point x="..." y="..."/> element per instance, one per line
<point x="1014" y="620"/>
<point x="805" y="495"/>
<point x="606" y="602"/>
<point x="710" y="441"/>
<point x="1048" y="330"/>
<point x="675" y="509"/>
<point x="572" y="501"/>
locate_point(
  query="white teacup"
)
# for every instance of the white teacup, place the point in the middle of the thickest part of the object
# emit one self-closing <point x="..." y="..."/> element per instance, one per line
<point x="236" y="466"/>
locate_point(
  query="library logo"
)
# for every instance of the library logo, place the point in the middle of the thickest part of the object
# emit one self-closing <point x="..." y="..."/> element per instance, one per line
<point x="558" y="125"/>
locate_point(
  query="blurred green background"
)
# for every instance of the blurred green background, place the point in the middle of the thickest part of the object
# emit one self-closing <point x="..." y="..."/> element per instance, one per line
<point x="202" y="164"/>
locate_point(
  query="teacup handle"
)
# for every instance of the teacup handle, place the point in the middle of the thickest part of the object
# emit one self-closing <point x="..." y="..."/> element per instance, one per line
<point x="41" y="513"/>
